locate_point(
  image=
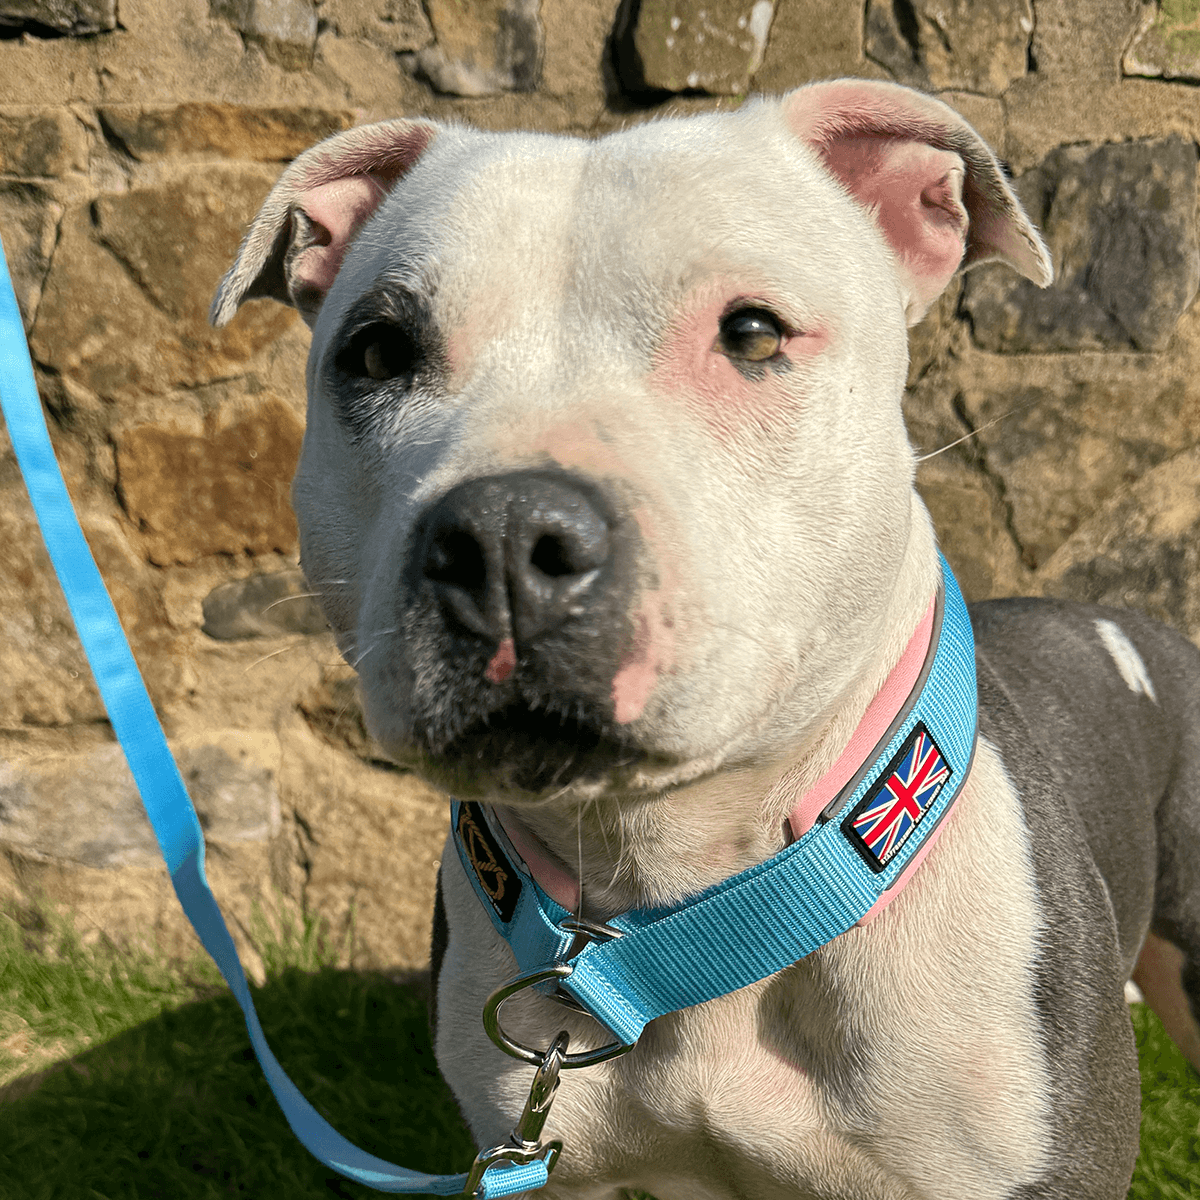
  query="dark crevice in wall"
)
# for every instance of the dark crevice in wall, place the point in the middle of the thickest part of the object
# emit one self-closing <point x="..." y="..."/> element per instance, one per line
<point x="978" y="456"/>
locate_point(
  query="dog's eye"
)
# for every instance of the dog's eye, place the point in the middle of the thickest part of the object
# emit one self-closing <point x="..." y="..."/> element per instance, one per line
<point x="752" y="334"/>
<point x="380" y="352"/>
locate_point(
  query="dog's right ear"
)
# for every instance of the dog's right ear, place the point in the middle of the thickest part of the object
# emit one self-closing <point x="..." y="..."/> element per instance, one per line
<point x="294" y="249"/>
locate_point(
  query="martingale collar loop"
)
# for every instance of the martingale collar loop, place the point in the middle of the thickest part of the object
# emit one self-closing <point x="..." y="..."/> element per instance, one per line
<point x="850" y="862"/>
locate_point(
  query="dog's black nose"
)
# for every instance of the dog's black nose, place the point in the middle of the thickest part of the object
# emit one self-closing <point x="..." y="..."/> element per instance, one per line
<point x="516" y="555"/>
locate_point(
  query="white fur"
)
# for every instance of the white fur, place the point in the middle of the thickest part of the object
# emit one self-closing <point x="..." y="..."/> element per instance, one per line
<point x="1128" y="660"/>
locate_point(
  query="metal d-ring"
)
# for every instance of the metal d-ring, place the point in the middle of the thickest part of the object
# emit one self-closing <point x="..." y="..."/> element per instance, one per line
<point x="535" y="1058"/>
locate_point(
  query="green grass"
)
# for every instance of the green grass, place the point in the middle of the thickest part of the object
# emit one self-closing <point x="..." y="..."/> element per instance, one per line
<point x="121" y="1077"/>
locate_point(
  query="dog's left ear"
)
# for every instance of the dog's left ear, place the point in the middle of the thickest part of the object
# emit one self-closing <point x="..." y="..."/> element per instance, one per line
<point x="930" y="182"/>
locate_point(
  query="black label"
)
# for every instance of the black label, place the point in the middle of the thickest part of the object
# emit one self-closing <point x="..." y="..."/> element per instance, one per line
<point x="497" y="876"/>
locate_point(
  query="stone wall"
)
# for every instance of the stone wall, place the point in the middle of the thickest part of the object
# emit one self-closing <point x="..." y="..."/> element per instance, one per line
<point x="137" y="138"/>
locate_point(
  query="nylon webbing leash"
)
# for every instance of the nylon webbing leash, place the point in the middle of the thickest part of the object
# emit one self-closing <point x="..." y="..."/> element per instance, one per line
<point x="518" y="1166"/>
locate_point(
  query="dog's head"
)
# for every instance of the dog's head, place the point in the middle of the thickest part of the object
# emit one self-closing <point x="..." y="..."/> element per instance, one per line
<point x="605" y="482"/>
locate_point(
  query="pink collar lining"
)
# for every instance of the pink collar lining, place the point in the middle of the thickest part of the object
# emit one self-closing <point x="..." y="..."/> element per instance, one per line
<point x="557" y="882"/>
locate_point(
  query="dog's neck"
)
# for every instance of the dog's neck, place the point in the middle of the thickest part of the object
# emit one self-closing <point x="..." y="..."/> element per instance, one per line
<point x="647" y="849"/>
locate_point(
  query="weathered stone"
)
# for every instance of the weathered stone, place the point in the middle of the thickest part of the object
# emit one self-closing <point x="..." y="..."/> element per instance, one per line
<point x="47" y="142"/>
<point x="263" y="606"/>
<point x="125" y="304"/>
<point x="28" y="226"/>
<point x="966" y="503"/>
<point x="971" y="521"/>
<point x="1142" y="550"/>
<point x="44" y="676"/>
<point x="796" y="56"/>
<point x="220" y="487"/>
<point x="1120" y="224"/>
<point x="371" y="839"/>
<point x="395" y="25"/>
<point x="228" y="130"/>
<point x="578" y="55"/>
<point x="934" y="44"/>
<point x="1167" y="46"/>
<point x="286" y="30"/>
<point x="76" y="17"/>
<point x="492" y="46"/>
<point x="74" y="836"/>
<point x="1083" y="39"/>
<point x="333" y="710"/>
<point x="1062" y="453"/>
<point x="712" y="46"/>
<point x="86" y="809"/>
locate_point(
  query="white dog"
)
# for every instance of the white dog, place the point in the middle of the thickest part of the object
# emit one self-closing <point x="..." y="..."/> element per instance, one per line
<point x="608" y="496"/>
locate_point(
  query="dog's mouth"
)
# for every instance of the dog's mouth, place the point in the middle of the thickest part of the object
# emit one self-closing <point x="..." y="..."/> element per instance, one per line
<point x="534" y="750"/>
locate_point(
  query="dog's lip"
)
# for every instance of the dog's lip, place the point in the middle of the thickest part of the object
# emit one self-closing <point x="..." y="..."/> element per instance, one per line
<point x="533" y="750"/>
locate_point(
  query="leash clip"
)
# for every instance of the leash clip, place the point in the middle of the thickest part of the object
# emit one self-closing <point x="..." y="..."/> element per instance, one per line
<point x="535" y="1058"/>
<point x="524" y="1143"/>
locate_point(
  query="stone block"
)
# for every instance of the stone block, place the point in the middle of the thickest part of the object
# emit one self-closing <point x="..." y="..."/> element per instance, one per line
<point x="1141" y="550"/>
<point x="85" y="808"/>
<point x="1061" y="452"/>
<point x="712" y="46"/>
<point x="483" y="48"/>
<point x="28" y="227"/>
<point x="220" y="130"/>
<point x="266" y="605"/>
<point x="43" y="143"/>
<point x="967" y="44"/>
<point x="795" y="56"/>
<point x="73" y="17"/>
<point x="220" y="486"/>
<point x="124" y="309"/>
<point x="970" y="518"/>
<point x="1083" y="39"/>
<point x="371" y="839"/>
<point x="285" y="30"/>
<point x="1167" y="44"/>
<point x="395" y="25"/>
<point x="44" y="676"/>
<point x="74" y="836"/>
<point x="1121" y="226"/>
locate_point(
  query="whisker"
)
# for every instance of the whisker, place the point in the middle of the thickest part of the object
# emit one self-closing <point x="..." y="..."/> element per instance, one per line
<point x="282" y="650"/>
<point x="377" y="636"/>
<point x="298" y="596"/>
<point x="966" y="436"/>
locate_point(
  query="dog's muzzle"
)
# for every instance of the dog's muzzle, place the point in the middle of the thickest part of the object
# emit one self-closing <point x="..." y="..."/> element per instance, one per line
<point x="517" y="592"/>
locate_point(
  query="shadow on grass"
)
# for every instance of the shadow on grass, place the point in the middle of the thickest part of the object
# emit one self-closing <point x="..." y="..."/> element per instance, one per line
<point x="177" y="1107"/>
<point x="168" y="1101"/>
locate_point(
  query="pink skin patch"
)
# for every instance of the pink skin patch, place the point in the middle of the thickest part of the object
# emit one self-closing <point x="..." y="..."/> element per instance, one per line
<point x="691" y="367"/>
<point x="503" y="662"/>
<point x="652" y="655"/>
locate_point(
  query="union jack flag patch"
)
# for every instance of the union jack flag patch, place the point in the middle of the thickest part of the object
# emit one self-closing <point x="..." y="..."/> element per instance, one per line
<point x="897" y="803"/>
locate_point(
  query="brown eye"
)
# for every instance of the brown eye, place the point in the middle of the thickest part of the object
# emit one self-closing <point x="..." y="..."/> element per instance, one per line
<point x="381" y="352"/>
<point x="751" y="334"/>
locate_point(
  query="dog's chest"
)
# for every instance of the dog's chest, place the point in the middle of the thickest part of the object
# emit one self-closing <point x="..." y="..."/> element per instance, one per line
<point x="902" y="1059"/>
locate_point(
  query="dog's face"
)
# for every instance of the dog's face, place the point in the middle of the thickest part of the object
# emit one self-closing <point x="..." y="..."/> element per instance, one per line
<point x="605" y="482"/>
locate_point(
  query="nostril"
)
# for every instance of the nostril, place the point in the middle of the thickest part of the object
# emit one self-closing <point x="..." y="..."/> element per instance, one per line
<point x="552" y="557"/>
<point x="455" y="557"/>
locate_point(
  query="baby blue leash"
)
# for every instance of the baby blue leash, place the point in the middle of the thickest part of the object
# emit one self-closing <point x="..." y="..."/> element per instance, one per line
<point x="497" y="1172"/>
<point x="640" y="965"/>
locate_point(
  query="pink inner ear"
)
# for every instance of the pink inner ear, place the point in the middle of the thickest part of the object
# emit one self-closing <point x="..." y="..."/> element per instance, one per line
<point x="337" y="210"/>
<point x="915" y="193"/>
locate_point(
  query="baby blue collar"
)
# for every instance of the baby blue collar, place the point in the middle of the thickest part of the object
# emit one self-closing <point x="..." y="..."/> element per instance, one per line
<point x="649" y="962"/>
